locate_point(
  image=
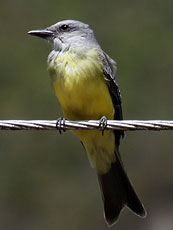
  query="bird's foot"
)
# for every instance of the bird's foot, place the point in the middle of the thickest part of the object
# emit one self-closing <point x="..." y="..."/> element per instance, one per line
<point x="103" y="124"/>
<point x="59" y="123"/>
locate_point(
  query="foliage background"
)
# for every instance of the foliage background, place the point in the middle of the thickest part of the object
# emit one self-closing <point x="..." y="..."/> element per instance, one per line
<point x="45" y="179"/>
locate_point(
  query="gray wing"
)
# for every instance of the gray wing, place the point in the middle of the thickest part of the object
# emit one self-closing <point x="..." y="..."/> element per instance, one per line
<point x="109" y="69"/>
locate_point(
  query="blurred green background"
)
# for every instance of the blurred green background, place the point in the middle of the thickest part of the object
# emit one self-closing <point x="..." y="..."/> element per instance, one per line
<point x="45" y="179"/>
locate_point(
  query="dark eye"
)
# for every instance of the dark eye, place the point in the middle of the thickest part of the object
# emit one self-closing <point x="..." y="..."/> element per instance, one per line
<point x="64" y="27"/>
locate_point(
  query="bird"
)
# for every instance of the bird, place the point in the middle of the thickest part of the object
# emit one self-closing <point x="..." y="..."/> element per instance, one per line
<point x="83" y="78"/>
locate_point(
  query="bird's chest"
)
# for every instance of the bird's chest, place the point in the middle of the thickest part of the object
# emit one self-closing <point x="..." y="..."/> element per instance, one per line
<point x="81" y="88"/>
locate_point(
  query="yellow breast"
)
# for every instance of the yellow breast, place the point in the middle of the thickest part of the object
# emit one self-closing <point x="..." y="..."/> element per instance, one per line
<point x="79" y="84"/>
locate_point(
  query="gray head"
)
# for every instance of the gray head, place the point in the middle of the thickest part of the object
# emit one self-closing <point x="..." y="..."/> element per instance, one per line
<point x="66" y="34"/>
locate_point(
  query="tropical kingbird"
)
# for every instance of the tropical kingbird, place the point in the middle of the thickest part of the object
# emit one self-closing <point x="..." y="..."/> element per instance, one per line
<point x="83" y="79"/>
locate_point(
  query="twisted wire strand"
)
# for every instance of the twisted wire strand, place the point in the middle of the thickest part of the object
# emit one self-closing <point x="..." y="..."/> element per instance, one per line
<point x="127" y="125"/>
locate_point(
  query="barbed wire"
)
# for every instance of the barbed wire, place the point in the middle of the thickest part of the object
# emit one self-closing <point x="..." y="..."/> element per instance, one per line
<point x="127" y="125"/>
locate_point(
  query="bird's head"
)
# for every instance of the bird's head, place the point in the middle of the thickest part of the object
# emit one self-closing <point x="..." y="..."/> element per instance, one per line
<point x="66" y="34"/>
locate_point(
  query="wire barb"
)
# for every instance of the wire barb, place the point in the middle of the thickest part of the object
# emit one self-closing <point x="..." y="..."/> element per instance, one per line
<point x="127" y="125"/>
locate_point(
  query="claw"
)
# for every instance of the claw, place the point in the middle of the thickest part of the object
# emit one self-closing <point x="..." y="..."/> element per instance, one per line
<point x="59" y="123"/>
<point x="103" y="124"/>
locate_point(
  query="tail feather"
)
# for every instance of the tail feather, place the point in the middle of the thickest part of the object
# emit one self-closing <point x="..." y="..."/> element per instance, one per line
<point x="118" y="192"/>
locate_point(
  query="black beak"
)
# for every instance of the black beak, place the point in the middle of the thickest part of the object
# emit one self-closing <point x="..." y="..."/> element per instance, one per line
<point x="43" y="33"/>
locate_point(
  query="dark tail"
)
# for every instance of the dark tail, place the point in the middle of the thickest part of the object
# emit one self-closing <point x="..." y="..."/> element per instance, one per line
<point x="117" y="192"/>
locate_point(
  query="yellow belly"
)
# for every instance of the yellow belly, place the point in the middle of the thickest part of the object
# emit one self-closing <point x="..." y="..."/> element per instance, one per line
<point x="85" y="99"/>
<point x="83" y="95"/>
